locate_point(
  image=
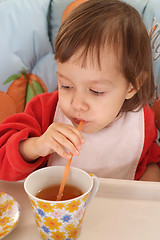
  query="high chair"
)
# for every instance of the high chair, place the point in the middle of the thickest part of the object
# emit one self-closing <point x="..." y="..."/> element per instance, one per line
<point x="28" y="29"/>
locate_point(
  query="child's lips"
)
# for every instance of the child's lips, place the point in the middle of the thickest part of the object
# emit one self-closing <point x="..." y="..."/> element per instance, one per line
<point x="77" y="120"/>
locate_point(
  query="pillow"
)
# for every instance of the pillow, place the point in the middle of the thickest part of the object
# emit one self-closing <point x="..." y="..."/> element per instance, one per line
<point x="151" y="19"/>
<point x="25" y="42"/>
<point x="139" y="5"/>
<point x="149" y="11"/>
<point x="71" y="7"/>
<point x="56" y="12"/>
<point x="58" y="7"/>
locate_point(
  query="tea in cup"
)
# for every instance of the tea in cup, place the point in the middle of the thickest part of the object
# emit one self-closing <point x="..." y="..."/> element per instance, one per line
<point x="60" y="219"/>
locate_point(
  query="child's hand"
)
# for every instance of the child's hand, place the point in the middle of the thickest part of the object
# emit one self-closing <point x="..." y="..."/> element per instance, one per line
<point x="60" y="138"/>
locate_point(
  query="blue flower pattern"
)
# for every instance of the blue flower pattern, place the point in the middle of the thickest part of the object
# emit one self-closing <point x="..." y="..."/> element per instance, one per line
<point x="41" y="212"/>
<point x="66" y="218"/>
<point x="46" y="229"/>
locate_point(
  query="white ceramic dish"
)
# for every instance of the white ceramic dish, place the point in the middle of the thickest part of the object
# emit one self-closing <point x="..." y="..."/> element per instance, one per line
<point x="9" y="214"/>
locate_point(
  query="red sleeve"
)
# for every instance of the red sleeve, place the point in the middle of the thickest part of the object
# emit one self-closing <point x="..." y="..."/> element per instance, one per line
<point x="36" y="118"/>
<point x="151" y="150"/>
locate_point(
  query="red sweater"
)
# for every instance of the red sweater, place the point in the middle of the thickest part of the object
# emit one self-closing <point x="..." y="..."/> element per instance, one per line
<point x="38" y="115"/>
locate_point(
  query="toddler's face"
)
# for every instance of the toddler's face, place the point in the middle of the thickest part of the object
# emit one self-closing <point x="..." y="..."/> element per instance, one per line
<point x="92" y="94"/>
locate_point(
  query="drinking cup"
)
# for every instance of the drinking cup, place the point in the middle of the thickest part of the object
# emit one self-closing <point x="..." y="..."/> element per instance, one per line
<point x="60" y="219"/>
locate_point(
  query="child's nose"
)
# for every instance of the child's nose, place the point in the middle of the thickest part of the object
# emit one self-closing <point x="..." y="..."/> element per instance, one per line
<point x="79" y="103"/>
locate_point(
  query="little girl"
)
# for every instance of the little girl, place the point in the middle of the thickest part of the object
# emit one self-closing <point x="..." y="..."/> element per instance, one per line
<point x="105" y="78"/>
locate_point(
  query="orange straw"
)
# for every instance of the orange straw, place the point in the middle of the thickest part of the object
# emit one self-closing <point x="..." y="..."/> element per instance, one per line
<point x="61" y="189"/>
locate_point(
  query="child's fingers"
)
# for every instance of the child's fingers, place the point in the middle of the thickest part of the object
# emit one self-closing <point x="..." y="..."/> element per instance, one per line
<point x="60" y="138"/>
<point x="56" y="147"/>
<point x="67" y="143"/>
<point x="71" y="133"/>
<point x="78" y="133"/>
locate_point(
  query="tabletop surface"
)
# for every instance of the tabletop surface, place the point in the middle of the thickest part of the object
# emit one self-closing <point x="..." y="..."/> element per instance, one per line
<point x="121" y="210"/>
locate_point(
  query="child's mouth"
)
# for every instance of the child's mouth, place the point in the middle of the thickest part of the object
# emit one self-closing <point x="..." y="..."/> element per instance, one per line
<point x="77" y="120"/>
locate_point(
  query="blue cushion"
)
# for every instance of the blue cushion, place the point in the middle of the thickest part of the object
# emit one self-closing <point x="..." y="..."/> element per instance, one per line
<point x="57" y="9"/>
<point x="139" y="5"/>
<point x="151" y="19"/>
<point x="149" y="11"/>
<point x="24" y="41"/>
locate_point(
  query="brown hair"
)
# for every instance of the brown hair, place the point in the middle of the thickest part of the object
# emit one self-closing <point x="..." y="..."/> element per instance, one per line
<point x="96" y="24"/>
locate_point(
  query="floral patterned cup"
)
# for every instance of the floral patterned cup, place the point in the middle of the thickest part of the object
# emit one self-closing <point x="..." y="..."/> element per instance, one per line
<point x="60" y="220"/>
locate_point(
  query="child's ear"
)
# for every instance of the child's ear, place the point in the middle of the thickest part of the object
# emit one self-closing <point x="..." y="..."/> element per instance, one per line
<point x="131" y="91"/>
<point x="139" y="82"/>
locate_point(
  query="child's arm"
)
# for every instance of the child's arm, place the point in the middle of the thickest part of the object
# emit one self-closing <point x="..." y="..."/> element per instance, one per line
<point x="32" y="123"/>
<point x="149" y="164"/>
<point x="152" y="173"/>
<point x="59" y="137"/>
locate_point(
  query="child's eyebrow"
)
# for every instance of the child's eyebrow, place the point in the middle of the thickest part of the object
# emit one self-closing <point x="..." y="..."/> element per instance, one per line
<point x="92" y="81"/>
<point x="63" y="76"/>
<point x="101" y="81"/>
<point x="58" y="73"/>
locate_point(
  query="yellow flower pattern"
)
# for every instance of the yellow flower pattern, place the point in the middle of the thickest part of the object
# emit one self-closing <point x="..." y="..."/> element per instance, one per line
<point x="59" y="221"/>
<point x="38" y="219"/>
<point x="43" y="236"/>
<point x="9" y="214"/>
<point x="60" y="205"/>
<point x="33" y="203"/>
<point x="52" y="223"/>
<point x="4" y="221"/>
<point x="86" y="197"/>
<point x="73" y="206"/>
<point x="58" y="235"/>
<point x="69" y="227"/>
<point x="45" y="206"/>
<point x="7" y="205"/>
<point x="73" y="234"/>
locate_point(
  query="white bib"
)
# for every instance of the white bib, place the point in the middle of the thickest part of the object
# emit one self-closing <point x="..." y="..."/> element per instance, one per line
<point x="113" y="152"/>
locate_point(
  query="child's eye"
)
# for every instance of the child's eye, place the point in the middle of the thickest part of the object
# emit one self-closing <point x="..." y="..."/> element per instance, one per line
<point x="65" y="87"/>
<point x="96" y="92"/>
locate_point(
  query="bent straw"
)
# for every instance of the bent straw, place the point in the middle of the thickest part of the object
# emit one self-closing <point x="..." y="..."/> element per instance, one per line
<point x="61" y="189"/>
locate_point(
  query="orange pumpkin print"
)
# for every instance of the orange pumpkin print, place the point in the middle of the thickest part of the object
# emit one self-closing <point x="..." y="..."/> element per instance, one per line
<point x="70" y="8"/>
<point x="7" y="106"/>
<point x="22" y="89"/>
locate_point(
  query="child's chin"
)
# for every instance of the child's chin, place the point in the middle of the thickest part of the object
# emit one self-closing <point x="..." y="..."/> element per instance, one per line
<point x="88" y="129"/>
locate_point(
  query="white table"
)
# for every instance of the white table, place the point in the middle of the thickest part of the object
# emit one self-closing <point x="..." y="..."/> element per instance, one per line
<point x="121" y="210"/>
